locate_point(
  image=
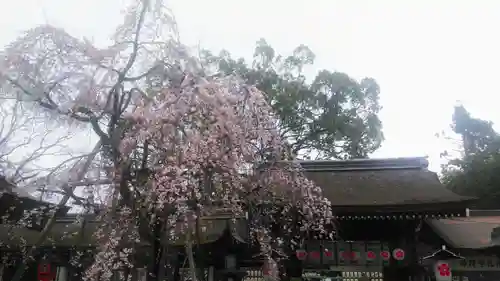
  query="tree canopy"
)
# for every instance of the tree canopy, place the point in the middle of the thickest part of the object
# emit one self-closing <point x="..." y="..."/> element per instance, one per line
<point x="334" y="116"/>
<point x="477" y="171"/>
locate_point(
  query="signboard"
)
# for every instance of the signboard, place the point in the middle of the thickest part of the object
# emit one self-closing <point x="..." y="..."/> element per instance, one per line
<point x="44" y="272"/>
<point x="479" y="263"/>
<point x="342" y="253"/>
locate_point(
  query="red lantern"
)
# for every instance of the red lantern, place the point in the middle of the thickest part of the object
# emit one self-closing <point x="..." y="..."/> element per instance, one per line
<point x="315" y="255"/>
<point x="328" y="253"/>
<point x="345" y="255"/>
<point x="44" y="272"/>
<point x="301" y="254"/>
<point x="385" y="255"/>
<point x="398" y="254"/>
<point x="354" y="256"/>
<point x="370" y="255"/>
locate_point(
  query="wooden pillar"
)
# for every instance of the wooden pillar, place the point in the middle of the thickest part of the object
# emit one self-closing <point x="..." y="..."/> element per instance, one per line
<point x="2" y="270"/>
<point x="293" y="268"/>
<point x="211" y="273"/>
<point x="3" y="264"/>
<point x="172" y="261"/>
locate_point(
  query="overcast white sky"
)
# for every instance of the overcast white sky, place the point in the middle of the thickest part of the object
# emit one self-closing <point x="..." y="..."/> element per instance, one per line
<point x="425" y="54"/>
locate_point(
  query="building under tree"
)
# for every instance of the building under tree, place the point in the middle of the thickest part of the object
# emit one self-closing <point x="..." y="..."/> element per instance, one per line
<point x="393" y="217"/>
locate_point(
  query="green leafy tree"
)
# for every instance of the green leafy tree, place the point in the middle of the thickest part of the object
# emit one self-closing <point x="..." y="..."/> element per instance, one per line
<point x="334" y="116"/>
<point x="477" y="171"/>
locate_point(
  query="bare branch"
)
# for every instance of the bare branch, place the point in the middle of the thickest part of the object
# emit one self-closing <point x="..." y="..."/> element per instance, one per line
<point x="25" y="140"/>
<point x="81" y="173"/>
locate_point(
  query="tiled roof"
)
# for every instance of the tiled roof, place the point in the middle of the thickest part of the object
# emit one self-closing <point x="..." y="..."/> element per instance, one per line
<point x="467" y="233"/>
<point x="398" y="181"/>
<point x="6" y="186"/>
<point x="67" y="231"/>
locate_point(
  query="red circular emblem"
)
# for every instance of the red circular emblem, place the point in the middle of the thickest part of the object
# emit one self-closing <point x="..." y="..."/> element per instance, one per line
<point x="398" y="254"/>
<point x="444" y="270"/>
<point x="385" y="255"/>
<point x="301" y="254"/>
<point x="370" y="255"/>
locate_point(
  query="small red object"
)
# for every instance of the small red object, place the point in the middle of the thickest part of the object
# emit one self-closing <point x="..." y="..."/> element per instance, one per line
<point x="370" y="255"/>
<point x="444" y="270"/>
<point x="398" y="254"/>
<point x="301" y="254"/>
<point x="328" y="253"/>
<point x="385" y="255"/>
<point x="315" y="255"/>
<point x="44" y="272"/>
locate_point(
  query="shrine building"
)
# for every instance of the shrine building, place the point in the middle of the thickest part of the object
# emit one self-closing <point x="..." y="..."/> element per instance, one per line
<point x="395" y="221"/>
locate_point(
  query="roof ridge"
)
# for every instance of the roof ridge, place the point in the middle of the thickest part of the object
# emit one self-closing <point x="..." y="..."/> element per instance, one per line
<point x="365" y="164"/>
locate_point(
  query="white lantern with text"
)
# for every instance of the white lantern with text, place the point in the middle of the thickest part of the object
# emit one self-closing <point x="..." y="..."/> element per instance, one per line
<point x="398" y="254"/>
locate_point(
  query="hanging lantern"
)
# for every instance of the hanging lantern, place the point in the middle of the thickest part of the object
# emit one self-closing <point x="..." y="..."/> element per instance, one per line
<point x="301" y="254"/>
<point x="385" y="255"/>
<point x="45" y="272"/>
<point x="370" y="255"/>
<point x="315" y="255"/>
<point x="345" y="255"/>
<point x="328" y="257"/>
<point x="270" y="270"/>
<point x="328" y="253"/>
<point x="398" y="254"/>
<point x="354" y="255"/>
<point x="442" y="271"/>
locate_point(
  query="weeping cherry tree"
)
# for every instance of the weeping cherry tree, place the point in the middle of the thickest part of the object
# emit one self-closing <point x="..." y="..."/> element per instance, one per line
<point x="175" y="144"/>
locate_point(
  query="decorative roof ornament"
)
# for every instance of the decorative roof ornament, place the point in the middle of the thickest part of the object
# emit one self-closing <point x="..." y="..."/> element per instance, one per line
<point x="443" y="254"/>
